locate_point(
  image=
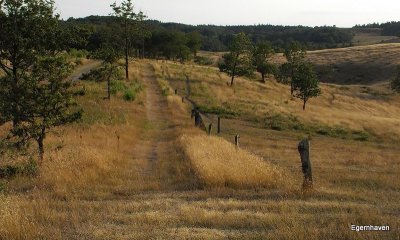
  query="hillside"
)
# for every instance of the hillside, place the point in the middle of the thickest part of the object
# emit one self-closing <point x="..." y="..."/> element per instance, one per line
<point x="368" y="65"/>
<point x="141" y="170"/>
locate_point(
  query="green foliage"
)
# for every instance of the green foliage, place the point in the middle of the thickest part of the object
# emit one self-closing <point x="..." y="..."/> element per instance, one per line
<point x="205" y="61"/>
<point x="131" y="92"/>
<point x="238" y="62"/>
<point x="282" y="122"/>
<point x="395" y="84"/>
<point x="194" y="42"/>
<point x="305" y="83"/>
<point x="218" y="110"/>
<point x="47" y="101"/>
<point x="261" y="59"/>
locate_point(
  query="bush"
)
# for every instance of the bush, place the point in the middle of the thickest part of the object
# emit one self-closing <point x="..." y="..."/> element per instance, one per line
<point x="203" y="61"/>
<point x="131" y="92"/>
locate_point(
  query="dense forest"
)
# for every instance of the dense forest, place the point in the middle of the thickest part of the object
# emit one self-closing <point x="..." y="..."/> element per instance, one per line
<point x="388" y="29"/>
<point x="171" y="39"/>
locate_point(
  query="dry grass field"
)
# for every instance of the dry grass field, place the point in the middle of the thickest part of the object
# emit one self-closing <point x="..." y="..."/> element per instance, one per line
<point x="141" y="170"/>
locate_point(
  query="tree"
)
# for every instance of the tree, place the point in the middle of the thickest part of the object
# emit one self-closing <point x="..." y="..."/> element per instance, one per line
<point x="295" y="55"/>
<point x="261" y="57"/>
<point x="238" y="61"/>
<point x="109" y="67"/>
<point x="125" y="12"/>
<point x="283" y="73"/>
<point x="305" y="83"/>
<point x="194" y="42"/>
<point x="47" y="101"/>
<point x="395" y="84"/>
<point x="28" y="28"/>
<point x="142" y="31"/>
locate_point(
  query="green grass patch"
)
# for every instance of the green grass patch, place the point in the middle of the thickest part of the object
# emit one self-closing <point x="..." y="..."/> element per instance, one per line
<point x="282" y="122"/>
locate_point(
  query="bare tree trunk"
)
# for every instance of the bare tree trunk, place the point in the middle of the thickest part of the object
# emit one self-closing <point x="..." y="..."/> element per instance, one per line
<point x="40" y="141"/>
<point x="233" y="78"/>
<point x="126" y="51"/>
<point x="304" y="104"/>
<point x="263" y="77"/>
<point x="143" y="54"/>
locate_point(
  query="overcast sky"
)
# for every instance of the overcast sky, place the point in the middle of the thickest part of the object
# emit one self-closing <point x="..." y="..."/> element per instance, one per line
<point x="342" y="13"/>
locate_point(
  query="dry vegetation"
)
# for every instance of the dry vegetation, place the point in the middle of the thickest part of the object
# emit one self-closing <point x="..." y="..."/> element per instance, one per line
<point x="164" y="179"/>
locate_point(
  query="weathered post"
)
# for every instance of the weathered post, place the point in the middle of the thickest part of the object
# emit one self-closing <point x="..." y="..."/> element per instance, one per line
<point x="219" y="124"/>
<point x="183" y="99"/>
<point x="210" y="129"/>
<point x="304" y="150"/>
<point x="176" y="91"/>
<point x="237" y="140"/>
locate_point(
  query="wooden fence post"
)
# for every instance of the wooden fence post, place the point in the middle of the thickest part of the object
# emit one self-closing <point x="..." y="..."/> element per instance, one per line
<point x="304" y="150"/>
<point x="183" y="99"/>
<point x="219" y="124"/>
<point x="176" y="91"/>
<point x="237" y="140"/>
<point x="210" y="129"/>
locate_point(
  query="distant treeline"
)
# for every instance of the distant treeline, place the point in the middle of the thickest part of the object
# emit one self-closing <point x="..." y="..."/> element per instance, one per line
<point x="388" y="29"/>
<point x="166" y="38"/>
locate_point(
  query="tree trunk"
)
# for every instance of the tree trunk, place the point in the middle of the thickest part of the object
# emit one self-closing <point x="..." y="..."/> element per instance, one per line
<point x="109" y="88"/>
<point x="40" y="141"/>
<point x="263" y="77"/>
<point x="233" y="78"/>
<point x="143" y="54"/>
<point x="304" y="104"/>
<point x="126" y="51"/>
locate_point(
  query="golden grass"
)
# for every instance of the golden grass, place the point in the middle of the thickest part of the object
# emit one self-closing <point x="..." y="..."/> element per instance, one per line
<point x="218" y="163"/>
<point x="94" y="187"/>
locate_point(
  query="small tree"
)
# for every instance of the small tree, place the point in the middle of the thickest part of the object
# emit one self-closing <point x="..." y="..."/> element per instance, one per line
<point x="28" y="28"/>
<point x="261" y="59"/>
<point x="238" y="62"/>
<point x="194" y="42"/>
<point x="125" y="12"/>
<point x="395" y="83"/>
<point x="47" y="102"/>
<point x="109" y="67"/>
<point x="305" y="83"/>
<point x="295" y="55"/>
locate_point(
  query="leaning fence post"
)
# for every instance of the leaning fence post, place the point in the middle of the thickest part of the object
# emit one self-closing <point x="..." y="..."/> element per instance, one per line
<point x="237" y="140"/>
<point x="304" y="150"/>
<point x="210" y="129"/>
<point x="219" y="124"/>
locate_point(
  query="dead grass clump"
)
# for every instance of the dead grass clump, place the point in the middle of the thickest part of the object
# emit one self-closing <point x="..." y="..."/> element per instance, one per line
<point x="219" y="163"/>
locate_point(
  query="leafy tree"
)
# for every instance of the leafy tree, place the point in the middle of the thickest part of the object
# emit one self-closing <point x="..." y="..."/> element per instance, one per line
<point x="28" y="28"/>
<point x="194" y="42"/>
<point x="283" y="73"/>
<point x="295" y="55"/>
<point x="109" y="69"/>
<point x="142" y="31"/>
<point x="261" y="57"/>
<point x="238" y="62"/>
<point x="395" y="84"/>
<point x="125" y="12"/>
<point x="305" y="83"/>
<point x="47" y="101"/>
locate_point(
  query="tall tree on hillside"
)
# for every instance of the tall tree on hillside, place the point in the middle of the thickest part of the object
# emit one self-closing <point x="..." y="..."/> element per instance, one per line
<point x="47" y="101"/>
<point x="194" y="42"/>
<point x="295" y="55"/>
<point x="305" y="83"/>
<point x="395" y="83"/>
<point x="141" y="31"/>
<point x="28" y="28"/>
<point x="238" y="62"/>
<point x="125" y="12"/>
<point x="261" y="59"/>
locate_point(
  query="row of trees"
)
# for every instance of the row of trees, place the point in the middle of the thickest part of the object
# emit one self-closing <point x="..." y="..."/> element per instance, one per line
<point x="107" y="30"/>
<point x="244" y="59"/>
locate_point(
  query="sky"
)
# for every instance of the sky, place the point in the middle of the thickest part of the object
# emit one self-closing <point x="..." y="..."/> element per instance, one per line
<point x="342" y="13"/>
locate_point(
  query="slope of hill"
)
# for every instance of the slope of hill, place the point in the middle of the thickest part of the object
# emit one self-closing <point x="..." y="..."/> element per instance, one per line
<point x="126" y="172"/>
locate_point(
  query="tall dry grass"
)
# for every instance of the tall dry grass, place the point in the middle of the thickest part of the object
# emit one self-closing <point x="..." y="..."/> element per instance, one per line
<point x="218" y="163"/>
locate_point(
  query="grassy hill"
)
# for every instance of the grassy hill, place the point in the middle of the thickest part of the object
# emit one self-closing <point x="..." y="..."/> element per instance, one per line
<point x="141" y="170"/>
